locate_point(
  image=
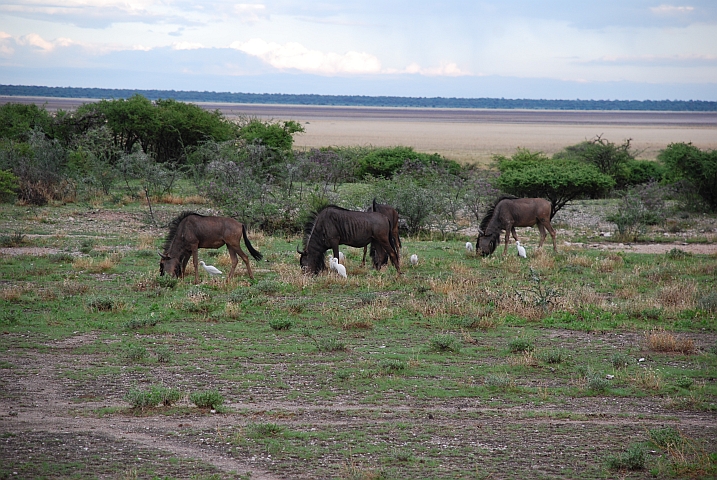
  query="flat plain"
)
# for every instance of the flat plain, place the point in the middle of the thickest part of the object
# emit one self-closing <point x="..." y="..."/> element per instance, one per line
<point x="561" y="365"/>
<point x="468" y="135"/>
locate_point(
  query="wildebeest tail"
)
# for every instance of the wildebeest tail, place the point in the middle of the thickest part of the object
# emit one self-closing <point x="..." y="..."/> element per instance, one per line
<point x="254" y="253"/>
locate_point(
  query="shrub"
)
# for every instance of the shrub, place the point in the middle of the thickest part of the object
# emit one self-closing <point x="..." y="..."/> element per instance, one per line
<point x="392" y="365"/>
<point x="520" y="345"/>
<point x="207" y="399"/>
<point x="9" y="185"/>
<point x="261" y="430"/>
<point x="552" y="356"/>
<point x="384" y="162"/>
<point x="498" y="381"/>
<point x="666" y="437"/>
<point x="280" y="323"/>
<point x="444" y="343"/>
<point x="708" y="303"/>
<point x="620" y="360"/>
<point x="136" y="323"/>
<point x="697" y="169"/>
<point x="163" y="353"/>
<point x="153" y="397"/>
<point x="135" y="352"/>
<point x="633" y="459"/>
<point x="101" y="303"/>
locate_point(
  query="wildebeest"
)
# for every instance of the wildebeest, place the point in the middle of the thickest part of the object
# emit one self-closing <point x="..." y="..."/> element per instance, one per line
<point x="378" y="255"/>
<point x="508" y="212"/>
<point x="191" y="231"/>
<point x="333" y="226"/>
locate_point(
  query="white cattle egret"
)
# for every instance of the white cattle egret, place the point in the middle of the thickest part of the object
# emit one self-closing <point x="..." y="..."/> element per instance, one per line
<point x="469" y="247"/>
<point x="337" y="267"/>
<point x="521" y="250"/>
<point x="414" y="259"/>
<point x="211" y="270"/>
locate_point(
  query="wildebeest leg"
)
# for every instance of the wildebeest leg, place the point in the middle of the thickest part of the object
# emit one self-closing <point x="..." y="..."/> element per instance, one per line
<point x="234" y="250"/>
<point x="391" y="254"/>
<point x="363" y="262"/>
<point x="552" y="234"/>
<point x="195" y="261"/>
<point x="507" y="239"/>
<point x="512" y="230"/>
<point x="541" y="227"/>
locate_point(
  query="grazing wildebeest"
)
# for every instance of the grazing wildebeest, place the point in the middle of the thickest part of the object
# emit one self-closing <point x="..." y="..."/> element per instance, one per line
<point x="191" y="231"/>
<point x="509" y="212"/>
<point x="378" y="255"/>
<point x="333" y="226"/>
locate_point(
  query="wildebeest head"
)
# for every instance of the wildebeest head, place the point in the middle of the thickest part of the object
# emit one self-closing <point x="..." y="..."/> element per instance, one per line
<point x="173" y="266"/>
<point x="487" y="243"/>
<point x="311" y="262"/>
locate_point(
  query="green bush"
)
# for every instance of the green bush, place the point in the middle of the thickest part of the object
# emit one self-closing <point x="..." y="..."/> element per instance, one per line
<point x="280" y="323"/>
<point x="633" y="459"/>
<point x="697" y="169"/>
<point x="520" y="345"/>
<point x="444" y="343"/>
<point x="207" y="399"/>
<point x="385" y="162"/>
<point x="153" y="397"/>
<point x="9" y="185"/>
<point x="392" y="365"/>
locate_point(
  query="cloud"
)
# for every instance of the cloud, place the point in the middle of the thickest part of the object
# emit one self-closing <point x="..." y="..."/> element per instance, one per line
<point x="186" y="46"/>
<point x="657" y="60"/>
<point x="250" y="12"/>
<point x="91" y="13"/>
<point x="293" y="55"/>
<point x="446" y="69"/>
<point x="671" y="10"/>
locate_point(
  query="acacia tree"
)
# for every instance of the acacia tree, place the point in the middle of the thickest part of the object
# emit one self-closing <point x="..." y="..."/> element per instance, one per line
<point x="529" y="174"/>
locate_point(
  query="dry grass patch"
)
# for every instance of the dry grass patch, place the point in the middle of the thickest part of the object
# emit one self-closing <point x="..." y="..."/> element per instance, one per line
<point x="647" y="378"/>
<point x="146" y="241"/>
<point x="541" y="259"/>
<point x="73" y="287"/>
<point x="526" y="359"/>
<point x="12" y="293"/>
<point x="579" y="261"/>
<point x="232" y="310"/>
<point x="680" y="295"/>
<point x="659" y="340"/>
<point x="89" y="264"/>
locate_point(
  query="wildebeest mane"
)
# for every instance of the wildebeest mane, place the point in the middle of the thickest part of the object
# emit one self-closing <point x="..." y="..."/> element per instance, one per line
<point x="173" y="227"/>
<point x="491" y="210"/>
<point x="311" y="221"/>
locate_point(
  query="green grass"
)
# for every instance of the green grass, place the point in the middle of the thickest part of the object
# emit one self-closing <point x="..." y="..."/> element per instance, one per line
<point x="450" y="338"/>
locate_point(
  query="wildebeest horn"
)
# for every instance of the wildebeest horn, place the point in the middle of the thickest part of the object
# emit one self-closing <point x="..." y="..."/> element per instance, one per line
<point x="480" y="232"/>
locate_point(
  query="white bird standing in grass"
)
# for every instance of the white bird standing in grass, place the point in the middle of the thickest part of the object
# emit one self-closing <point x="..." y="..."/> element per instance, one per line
<point x="342" y="257"/>
<point x="337" y="267"/>
<point x="469" y="247"/>
<point x="521" y="250"/>
<point x="211" y="270"/>
<point x="414" y="259"/>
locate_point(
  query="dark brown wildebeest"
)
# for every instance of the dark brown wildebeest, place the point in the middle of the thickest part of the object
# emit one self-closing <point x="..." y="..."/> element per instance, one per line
<point x="508" y="212"/>
<point x="378" y="255"/>
<point x="191" y="231"/>
<point x="333" y="226"/>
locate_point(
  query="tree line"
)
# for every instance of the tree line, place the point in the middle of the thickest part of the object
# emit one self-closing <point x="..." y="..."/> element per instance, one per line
<point x="363" y="100"/>
<point x="249" y="169"/>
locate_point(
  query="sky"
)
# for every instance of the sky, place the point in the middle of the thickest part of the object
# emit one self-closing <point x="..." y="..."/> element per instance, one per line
<point x="539" y="49"/>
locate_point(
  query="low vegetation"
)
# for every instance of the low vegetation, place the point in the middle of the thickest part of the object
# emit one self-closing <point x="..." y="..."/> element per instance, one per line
<point x="570" y="364"/>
